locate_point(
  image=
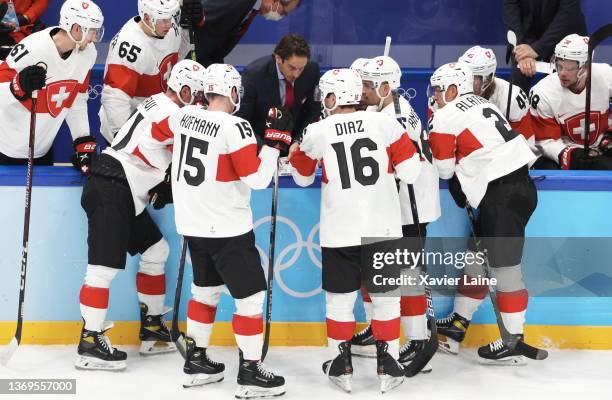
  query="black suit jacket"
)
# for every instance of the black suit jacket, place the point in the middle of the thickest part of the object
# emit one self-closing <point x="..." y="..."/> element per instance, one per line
<point x="261" y="91"/>
<point x="543" y="23"/>
<point x="220" y="32"/>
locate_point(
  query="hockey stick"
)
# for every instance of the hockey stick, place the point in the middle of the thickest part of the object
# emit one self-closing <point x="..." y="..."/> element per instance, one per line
<point x="14" y="343"/>
<point x="266" y="340"/>
<point x="513" y="341"/>
<point x="421" y="359"/>
<point x="177" y="336"/>
<point x="596" y="38"/>
<point x="511" y="36"/>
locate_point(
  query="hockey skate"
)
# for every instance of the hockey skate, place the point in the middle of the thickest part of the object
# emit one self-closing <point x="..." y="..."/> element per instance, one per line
<point x="340" y="369"/>
<point x="200" y="369"/>
<point x="95" y="352"/>
<point x="409" y="350"/>
<point x="154" y="335"/>
<point x="497" y="353"/>
<point x="451" y="332"/>
<point x="390" y="372"/>
<point x="363" y="343"/>
<point x="254" y="381"/>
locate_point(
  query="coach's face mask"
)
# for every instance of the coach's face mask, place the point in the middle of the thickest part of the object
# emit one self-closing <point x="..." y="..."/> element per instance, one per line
<point x="274" y="15"/>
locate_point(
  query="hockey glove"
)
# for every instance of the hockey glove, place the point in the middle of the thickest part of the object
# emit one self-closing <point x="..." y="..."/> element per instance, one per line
<point x="605" y="146"/>
<point x="454" y="187"/>
<point x="279" y="125"/>
<point x="29" y="79"/>
<point x="576" y="158"/>
<point x="192" y="14"/>
<point x="161" y="194"/>
<point x="84" y="149"/>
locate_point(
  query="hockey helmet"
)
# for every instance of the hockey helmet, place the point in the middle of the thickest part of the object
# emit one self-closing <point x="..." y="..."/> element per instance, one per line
<point x="572" y="47"/>
<point x="159" y="10"/>
<point x="458" y="74"/>
<point x="221" y="79"/>
<point x="187" y="73"/>
<point x="84" y="13"/>
<point x="344" y="83"/>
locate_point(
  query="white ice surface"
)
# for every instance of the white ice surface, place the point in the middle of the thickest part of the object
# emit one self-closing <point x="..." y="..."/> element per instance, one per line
<point x="567" y="374"/>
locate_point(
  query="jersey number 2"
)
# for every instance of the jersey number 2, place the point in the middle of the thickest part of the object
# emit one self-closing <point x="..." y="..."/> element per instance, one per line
<point x="359" y="162"/>
<point x="192" y="161"/>
<point x="500" y="124"/>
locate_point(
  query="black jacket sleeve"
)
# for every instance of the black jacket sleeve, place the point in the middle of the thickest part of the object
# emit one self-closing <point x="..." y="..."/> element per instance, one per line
<point x="513" y="18"/>
<point x="568" y="11"/>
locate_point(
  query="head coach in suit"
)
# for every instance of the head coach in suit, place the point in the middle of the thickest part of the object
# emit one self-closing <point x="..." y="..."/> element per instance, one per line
<point x="220" y="24"/>
<point x="286" y="79"/>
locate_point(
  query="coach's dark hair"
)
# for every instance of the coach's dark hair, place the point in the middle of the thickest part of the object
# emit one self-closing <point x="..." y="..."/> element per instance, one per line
<point x="292" y="45"/>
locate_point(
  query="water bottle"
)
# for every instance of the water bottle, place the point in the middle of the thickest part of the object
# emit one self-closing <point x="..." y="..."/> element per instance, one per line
<point x="10" y="18"/>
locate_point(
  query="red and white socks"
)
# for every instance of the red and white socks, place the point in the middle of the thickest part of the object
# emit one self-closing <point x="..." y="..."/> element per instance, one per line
<point x="94" y="296"/>
<point x="151" y="278"/>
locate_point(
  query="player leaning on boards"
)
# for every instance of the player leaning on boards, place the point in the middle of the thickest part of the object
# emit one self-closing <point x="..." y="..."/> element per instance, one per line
<point x="558" y="114"/>
<point x="214" y="167"/>
<point x="57" y="62"/>
<point x="359" y="151"/>
<point x="469" y="137"/>
<point x="115" y="198"/>
<point x="380" y="76"/>
<point x="139" y="60"/>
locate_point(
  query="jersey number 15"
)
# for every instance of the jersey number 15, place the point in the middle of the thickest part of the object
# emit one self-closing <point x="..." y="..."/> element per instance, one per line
<point x="195" y="162"/>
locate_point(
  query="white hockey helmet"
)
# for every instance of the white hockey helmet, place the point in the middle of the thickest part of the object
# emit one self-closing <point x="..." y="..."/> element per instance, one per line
<point x="344" y="83"/>
<point x="187" y="73"/>
<point x="358" y="64"/>
<point x="84" y="13"/>
<point x="572" y="47"/>
<point x="159" y="10"/>
<point x="221" y="79"/>
<point x="458" y="74"/>
<point x="382" y="69"/>
<point x="481" y="60"/>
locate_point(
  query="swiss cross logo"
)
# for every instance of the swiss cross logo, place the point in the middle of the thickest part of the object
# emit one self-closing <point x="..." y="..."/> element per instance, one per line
<point x="85" y="5"/>
<point x="165" y="66"/>
<point x="336" y="72"/>
<point x="380" y="62"/>
<point x="586" y="40"/>
<point x="60" y="95"/>
<point x="567" y="41"/>
<point x="195" y="67"/>
<point x="488" y="54"/>
<point x="575" y="127"/>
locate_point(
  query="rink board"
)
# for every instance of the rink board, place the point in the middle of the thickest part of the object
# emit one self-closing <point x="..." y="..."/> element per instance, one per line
<point x="577" y="313"/>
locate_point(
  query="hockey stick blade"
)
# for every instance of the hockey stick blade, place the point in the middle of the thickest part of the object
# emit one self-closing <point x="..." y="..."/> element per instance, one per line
<point x="8" y="351"/>
<point x="599" y="36"/>
<point x="530" y="351"/>
<point x="511" y="39"/>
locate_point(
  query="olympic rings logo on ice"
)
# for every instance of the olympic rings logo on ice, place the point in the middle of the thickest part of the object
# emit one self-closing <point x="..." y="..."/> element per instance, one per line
<point x="296" y="247"/>
<point x="94" y="91"/>
<point x="408" y="94"/>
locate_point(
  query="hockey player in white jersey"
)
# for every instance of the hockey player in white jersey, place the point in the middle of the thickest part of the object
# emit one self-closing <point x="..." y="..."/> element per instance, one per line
<point x="483" y="63"/>
<point x="558" y="114"/>
<point x="359" y="152"/>
<point x="214" y="167"/>
<point x="380" y="76"/>
<point x="57" y="63"/>
<point x="140" y="58"/>
<point x="124" y="177"/>
<point x="471" y="138"/>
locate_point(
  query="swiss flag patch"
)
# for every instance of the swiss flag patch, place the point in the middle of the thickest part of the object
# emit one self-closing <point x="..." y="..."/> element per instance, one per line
<point x="60" y="95"/>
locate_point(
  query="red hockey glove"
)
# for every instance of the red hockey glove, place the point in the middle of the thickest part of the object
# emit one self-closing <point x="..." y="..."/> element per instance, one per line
<point x="279" y="125"/>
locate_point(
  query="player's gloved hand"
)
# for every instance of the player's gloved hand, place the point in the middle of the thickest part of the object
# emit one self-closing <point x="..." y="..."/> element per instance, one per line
<point x="23" y="20"/>
<point x="454" y="187"/>
<point x="192" y="14"/>
<point x="605" y="146"/>
<point x="576" y="158"/>
<point x="84" y="149"/>
<point x="279" y="125"/>
<point x="161" y="194"/>
<point x="29" y="79"/>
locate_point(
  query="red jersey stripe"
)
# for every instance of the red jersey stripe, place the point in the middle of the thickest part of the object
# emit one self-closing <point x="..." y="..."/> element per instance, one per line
<point x="304" y="165"/>
<point x="401" y="150"/>
<point x="466" y="144"/>
<point x="442" y="145"/>
<point x="245" y="160"/>
<point x="545" y="128"/>
<point x="161" y="130"/>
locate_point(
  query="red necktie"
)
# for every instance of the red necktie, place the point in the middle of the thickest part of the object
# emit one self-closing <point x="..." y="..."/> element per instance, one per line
<point x="288" y="95"/>
<point x="244" y="26"/>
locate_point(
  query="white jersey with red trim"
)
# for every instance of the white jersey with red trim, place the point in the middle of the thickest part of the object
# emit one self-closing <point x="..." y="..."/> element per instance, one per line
<point x="143" y="157"/>
<point x="214" y="167"/>
<point x="359" y="153"/>
<point x="63" y="97"/>
<point x="558" y="114"/>
<point x="427" y="186"/>
<point x="519" y="107"/>
<point x="470" y="137"/>
<point x="137" y="66"/>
